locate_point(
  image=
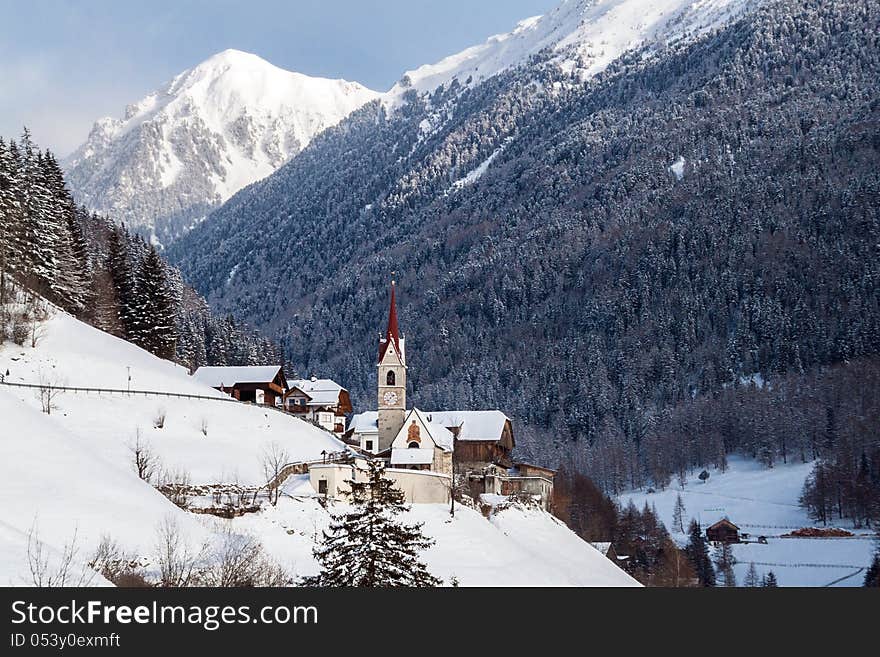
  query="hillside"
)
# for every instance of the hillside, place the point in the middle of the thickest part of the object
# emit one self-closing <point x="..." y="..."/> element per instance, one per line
<point x="72" y="472"/>
<point x="73" y="354"/>
<point x="514" y="547"/>
<point x="62" y="486"/>
<point x="191" y="144"/>
<point x="560" y="243"/>
<point x="764" y="502"/>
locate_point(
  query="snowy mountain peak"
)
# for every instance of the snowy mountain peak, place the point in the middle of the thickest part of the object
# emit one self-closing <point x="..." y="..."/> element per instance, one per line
<point x="584" y="36"/>
<point x="191" y="144"/>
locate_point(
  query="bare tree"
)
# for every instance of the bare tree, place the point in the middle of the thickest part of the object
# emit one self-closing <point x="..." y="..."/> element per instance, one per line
<point x="240" y="560"/>
<point x="116" y="565"/>
<point x="48" y="389"/>
<point x="48" y="572"/>
<point x="274" y="459"/>
<point x="38" y="313"/>
<point x="178" y="563"/>
<point x="146" y="462"/>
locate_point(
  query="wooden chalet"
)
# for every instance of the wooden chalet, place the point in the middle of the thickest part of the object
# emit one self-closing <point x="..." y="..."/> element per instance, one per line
<point x="723" y="531"/>
<point x="258" y="384"/>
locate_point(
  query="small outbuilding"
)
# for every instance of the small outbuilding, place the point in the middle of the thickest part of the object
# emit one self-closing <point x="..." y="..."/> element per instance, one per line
<point x="723" y="531"/>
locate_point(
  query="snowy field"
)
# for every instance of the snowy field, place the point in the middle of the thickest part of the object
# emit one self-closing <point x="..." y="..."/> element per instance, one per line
<point x="763" y="501"/>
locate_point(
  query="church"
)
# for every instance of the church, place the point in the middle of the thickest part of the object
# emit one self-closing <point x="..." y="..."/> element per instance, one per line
<point x="423" y="450"/>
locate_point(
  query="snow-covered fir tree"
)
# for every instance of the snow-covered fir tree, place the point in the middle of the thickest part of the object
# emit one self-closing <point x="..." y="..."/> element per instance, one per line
<point x="104" y="275"/>
<point x="367" y="546"/>
<point x="154" y="307"/>
<point x="697" y="551"/>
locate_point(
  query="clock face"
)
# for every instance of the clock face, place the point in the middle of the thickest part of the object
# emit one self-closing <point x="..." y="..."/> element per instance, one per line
<point x="390" y="398"/>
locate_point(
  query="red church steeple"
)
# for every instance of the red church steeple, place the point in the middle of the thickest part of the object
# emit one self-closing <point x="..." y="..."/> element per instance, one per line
<point x="393" y="332"/>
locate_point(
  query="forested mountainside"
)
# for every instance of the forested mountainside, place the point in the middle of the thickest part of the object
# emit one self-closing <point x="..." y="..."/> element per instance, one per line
<point x="100" y="272"/>
<point x="594" y="257"/>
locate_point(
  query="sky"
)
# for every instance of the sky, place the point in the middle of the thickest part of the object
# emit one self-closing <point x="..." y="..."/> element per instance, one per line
<point x="65" y="64"/>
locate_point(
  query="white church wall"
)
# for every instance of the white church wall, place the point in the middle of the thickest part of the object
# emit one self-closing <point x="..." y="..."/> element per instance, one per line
<point x="421" y="486"/>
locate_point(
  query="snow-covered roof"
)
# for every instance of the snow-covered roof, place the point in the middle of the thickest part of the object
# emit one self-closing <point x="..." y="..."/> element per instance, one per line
<point x="321" y="392"/>
<point x="475" y="425"/>
<point x="406" y="456"/>
<point x="367" y="422"/>
<point x="217" y="376"/>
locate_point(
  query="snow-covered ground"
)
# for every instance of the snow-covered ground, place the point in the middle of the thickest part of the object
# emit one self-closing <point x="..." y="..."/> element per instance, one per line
<point x="62" y="487"/>
<point x="763" y="501"/>
<point x="73" y="354"/>
<point x="513" y="547"/>
<point x="71" y="473"/>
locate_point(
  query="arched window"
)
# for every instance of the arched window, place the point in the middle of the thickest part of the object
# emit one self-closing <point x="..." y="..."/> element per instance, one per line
<point x="413" y="445"/>
<point x="389" y="380"/>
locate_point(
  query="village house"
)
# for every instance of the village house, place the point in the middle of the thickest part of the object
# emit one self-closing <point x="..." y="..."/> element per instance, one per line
<point x="322" y="401"/>
<point x="258" y="384"/>
<point x="420" y="446"/>
<point x="723" y="531"/>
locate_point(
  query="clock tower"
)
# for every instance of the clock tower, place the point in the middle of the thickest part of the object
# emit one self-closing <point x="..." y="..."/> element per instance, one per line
<point x="391" y="379"/>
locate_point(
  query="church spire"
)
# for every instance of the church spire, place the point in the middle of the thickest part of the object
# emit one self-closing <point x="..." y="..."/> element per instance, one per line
<point x="393" y="331"/>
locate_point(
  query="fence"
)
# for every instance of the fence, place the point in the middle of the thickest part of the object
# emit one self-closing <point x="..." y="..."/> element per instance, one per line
<point x="118" y="391"/>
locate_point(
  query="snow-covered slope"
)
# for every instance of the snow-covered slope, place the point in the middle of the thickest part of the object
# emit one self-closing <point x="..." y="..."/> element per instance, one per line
<point x="63" y="486"/>
<point x="213" y="129"/>
<point x="235" y="436"/>
<point x="764" y="501"/>
<point x="583" y="35"/>
<point x="513" y="547"/>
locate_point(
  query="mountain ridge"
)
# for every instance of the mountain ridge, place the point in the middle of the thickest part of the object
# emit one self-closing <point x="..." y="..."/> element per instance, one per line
<point x="193" y="142"/>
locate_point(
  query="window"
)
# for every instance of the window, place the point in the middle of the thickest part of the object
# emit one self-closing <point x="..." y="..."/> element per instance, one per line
<point x="413" y="445"/>
<point x="369" y="445"/>
<point x="390" y="378"/>
<point x="322" y="487"/>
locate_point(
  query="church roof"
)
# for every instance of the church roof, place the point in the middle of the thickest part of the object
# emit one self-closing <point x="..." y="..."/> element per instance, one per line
<point x="392" y="334"/>
<point x="474" y="425"/>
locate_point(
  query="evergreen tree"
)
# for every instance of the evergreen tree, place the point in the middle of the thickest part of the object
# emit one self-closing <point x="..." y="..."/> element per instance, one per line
<point x="154" y="307"/>
<point x="769" y="580"/>
<point x="122" y="275"/>
<point x="678" y="514"/>
<point x="872" y="575"/>
<point x="752" y="580"/>
<point x="724" y="562"/>
<point x="367" y="547"/>
<point x="697" y="552"/>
